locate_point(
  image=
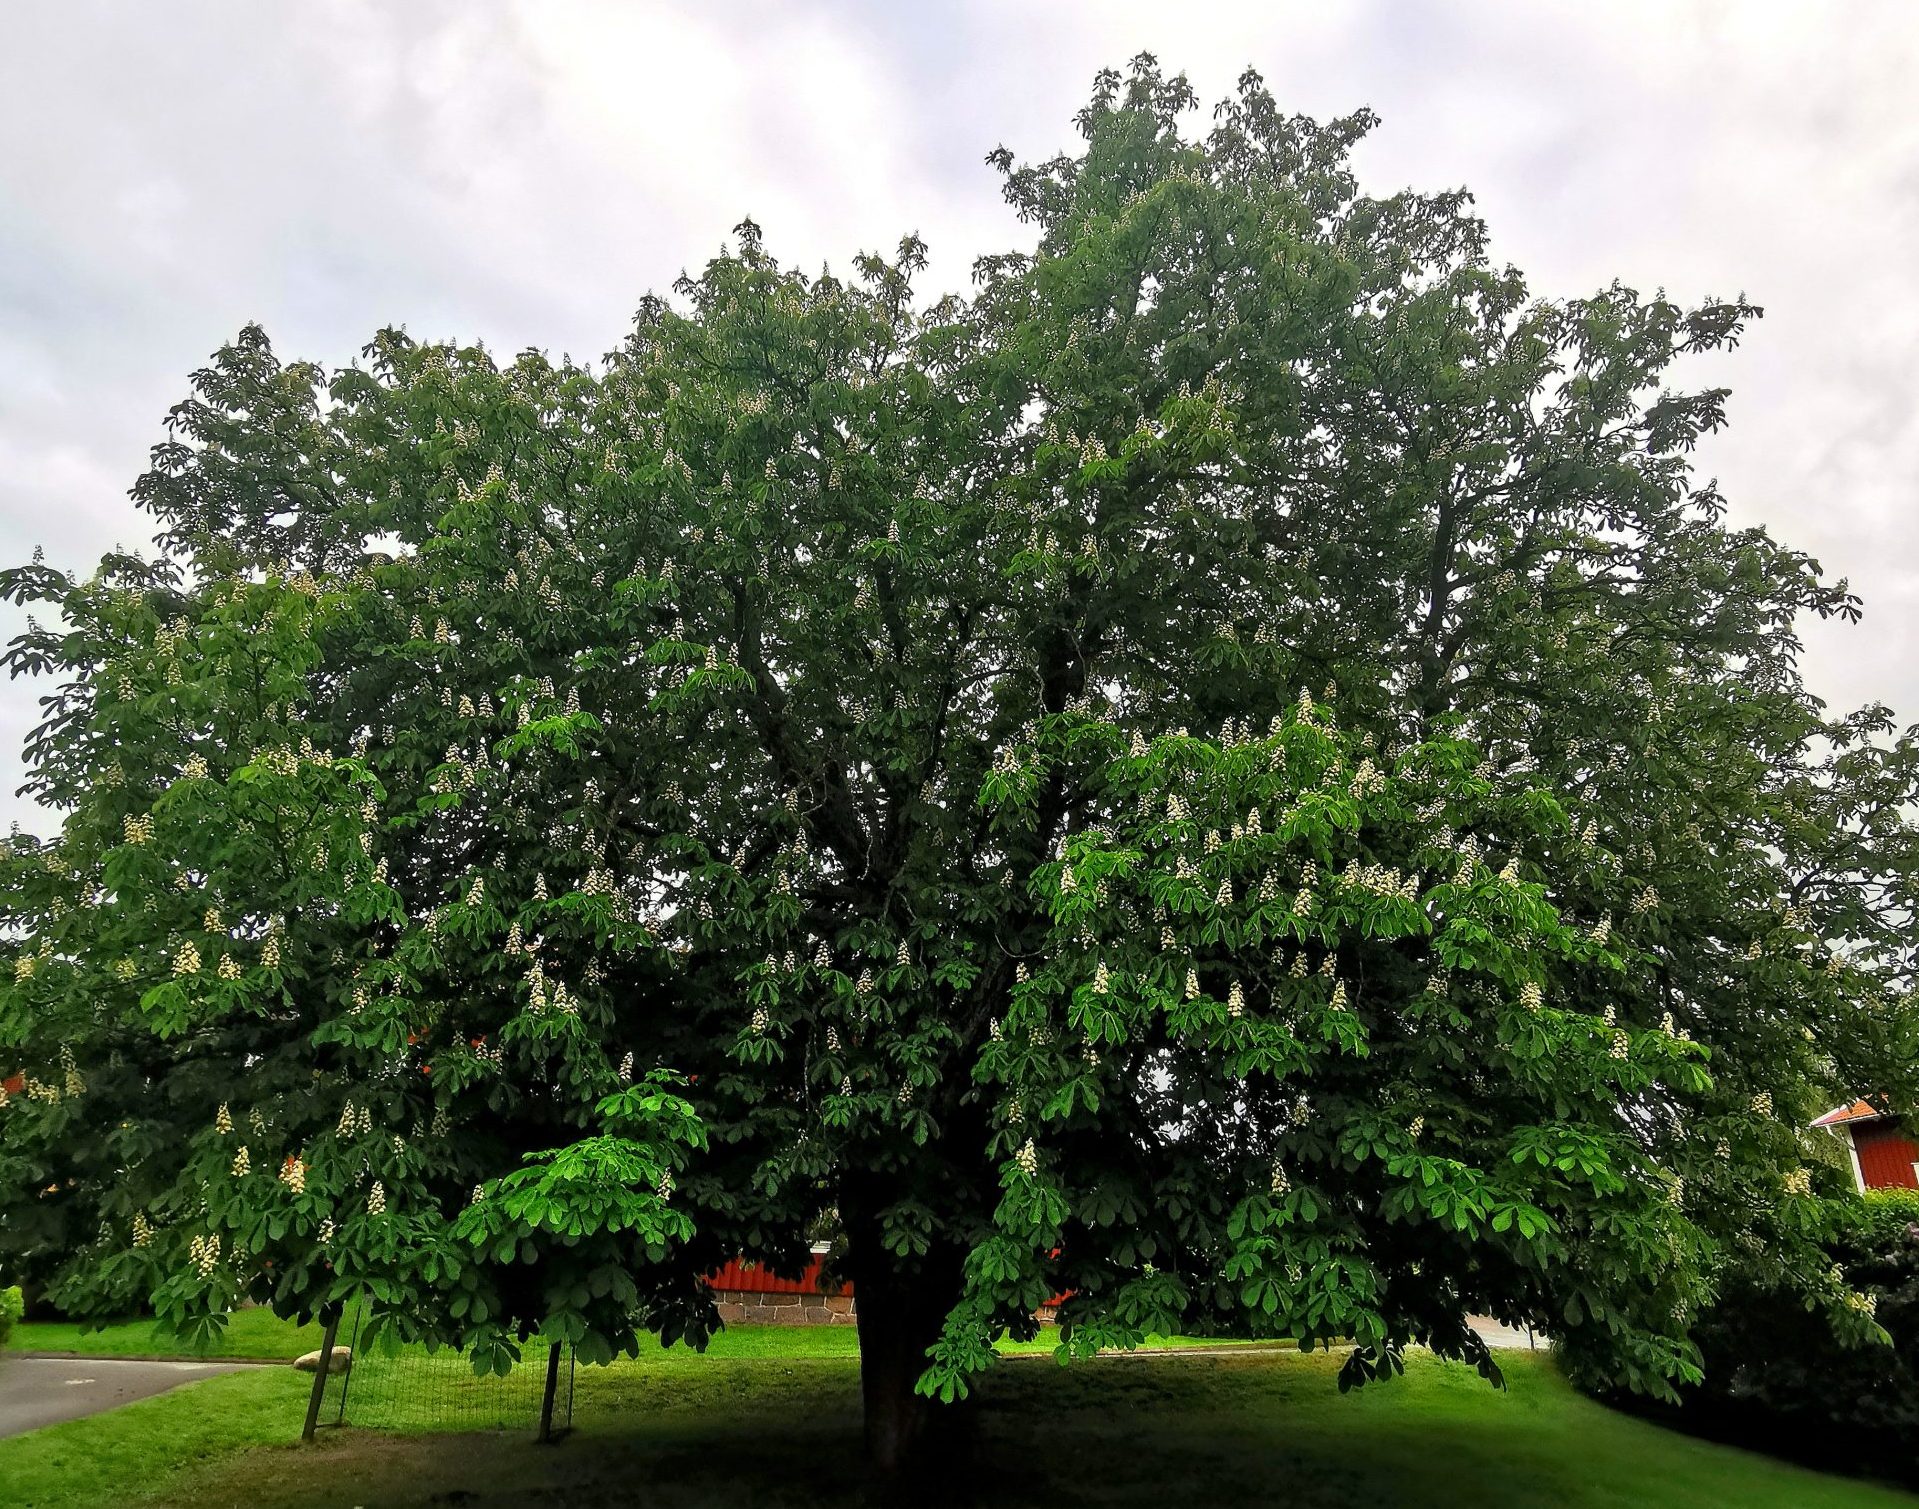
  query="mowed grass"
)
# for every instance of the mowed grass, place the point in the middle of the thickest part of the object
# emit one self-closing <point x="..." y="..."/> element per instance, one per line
<point x="260" y="1335"/>
<point x="777" y="1428"/>
<point x="250" y="1335"/>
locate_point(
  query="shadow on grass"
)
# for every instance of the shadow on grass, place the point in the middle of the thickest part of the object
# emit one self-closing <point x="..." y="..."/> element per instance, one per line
<point x="1114" y="1434"/>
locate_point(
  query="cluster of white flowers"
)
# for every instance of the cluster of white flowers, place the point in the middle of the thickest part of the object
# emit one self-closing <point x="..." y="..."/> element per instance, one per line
<point x="1676" y="1193"/>
<point x="40" y="1091"/>
<point x="1102" y="979"/>
<point x="142" y="1229"/>
<point x="229" y="968"/>
<point x="1027" y="1158"/>
<point x="1279" y="1183"/>
<point x="863" y="986"/>
<point x="1762" y="1103"/>
<point x="187" y="960"/>
<point x="24" y="966"/>
<point x="760" y="1021"/>
<point x="1235" y="1001"/>
<point x="137" y="828"/>
<point x="354" y="1121"/>
<point x="1798" y="1181"/>
<point x="242" y="1162"/>
<point x="1866" y="1304"/>
<point x="193" y="768"/>
<point x="1722" y="1150"/>
<point x="1338" y="1002"/>
<point x="1367" y="781"/>
<point x="293" y="1174"/>
<point x="1380" y="880"/>
<point x="125" y="969"/>
<point x="326" y="1231"/>
<point x="1192" y="983"/>
<point x="223" y="1120"/>
<point x="1645" y="901"/>
<point x="626" y="1067"/>
<point x="1416" y="1127"/>
<point x="1530" y="996"/>
<point x="1621" y="1045"/>
<point x="204" y="1253"/>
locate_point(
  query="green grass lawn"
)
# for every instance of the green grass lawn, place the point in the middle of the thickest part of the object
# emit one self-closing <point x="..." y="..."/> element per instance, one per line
<point x="773" y="1425"/>
<point x="250" y="1334"/>
<point x="255" y="1335"/>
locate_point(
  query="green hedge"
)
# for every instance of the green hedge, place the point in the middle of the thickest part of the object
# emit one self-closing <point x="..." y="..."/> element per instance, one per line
<point x="12" y="1307"/>
<point x="1777" y="1381"/>
<point x="1887" y="1213"/>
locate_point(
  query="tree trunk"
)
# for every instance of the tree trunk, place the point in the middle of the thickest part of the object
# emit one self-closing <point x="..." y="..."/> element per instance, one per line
<point x="900" y="1312"/>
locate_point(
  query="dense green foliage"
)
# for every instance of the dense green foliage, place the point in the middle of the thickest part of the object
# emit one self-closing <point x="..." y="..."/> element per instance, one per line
<point x="1776" y="1377"/>
<point x="1233" y="772"/>
<point x="12" y="1307"/>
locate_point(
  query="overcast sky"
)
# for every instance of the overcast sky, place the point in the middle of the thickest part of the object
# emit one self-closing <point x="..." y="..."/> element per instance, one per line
<point x="522" y="173"/>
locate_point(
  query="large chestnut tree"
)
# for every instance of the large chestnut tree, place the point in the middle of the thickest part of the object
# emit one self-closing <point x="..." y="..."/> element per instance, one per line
<point x="1234" y="773"/>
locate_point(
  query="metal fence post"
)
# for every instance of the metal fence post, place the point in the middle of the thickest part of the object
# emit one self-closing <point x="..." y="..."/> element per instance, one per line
<point x="332" y="1319"/>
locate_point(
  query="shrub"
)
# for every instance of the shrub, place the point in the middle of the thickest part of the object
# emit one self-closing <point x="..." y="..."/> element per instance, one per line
<point x="1778" y="1380"/>
<point x="12" y="1307"/>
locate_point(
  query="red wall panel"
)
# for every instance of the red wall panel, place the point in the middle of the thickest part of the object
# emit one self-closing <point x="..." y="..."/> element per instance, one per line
<point x="1886" y="1155"/>
<point x="737" y="1278"/>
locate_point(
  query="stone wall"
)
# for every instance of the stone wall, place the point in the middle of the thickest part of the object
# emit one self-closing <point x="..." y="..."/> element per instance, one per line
<point x="737" y="1308"/>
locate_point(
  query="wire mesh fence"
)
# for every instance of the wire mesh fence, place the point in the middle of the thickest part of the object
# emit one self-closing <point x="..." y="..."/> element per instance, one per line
<point x="409" y="1388"/>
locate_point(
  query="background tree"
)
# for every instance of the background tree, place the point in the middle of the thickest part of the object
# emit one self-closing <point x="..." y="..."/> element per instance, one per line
<point x="1234" y="772"/>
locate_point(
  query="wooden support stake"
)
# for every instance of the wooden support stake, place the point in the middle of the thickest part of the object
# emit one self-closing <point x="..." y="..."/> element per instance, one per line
<point x="552" y="1388"/>
<point x="332" y="1318"/>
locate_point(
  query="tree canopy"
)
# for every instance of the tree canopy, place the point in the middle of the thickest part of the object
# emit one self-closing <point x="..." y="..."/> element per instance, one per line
<point x="1234" y="773"/>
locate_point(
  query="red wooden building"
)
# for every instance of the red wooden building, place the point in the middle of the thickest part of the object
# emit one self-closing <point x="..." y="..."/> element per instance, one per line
<point x="1883" y="1150"/>
<point x="746" y="1292"/>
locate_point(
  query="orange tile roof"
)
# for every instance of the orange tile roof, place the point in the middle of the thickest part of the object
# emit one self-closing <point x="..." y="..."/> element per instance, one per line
<point x="1859" y="1110"/>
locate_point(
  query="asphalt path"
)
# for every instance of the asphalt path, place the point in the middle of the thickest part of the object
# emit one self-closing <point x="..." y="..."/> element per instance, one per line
<point x="37" y="1391"/>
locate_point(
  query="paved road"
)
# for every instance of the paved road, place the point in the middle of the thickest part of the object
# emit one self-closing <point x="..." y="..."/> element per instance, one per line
<point x="1500" y="1337"/>
<point x="36" y="1391"/>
